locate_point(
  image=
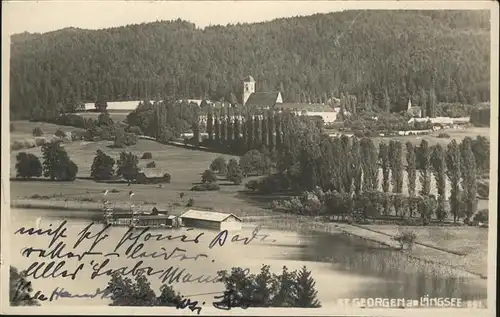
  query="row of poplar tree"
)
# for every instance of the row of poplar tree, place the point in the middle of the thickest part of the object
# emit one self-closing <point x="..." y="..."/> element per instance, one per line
<point x="310" y="159"/>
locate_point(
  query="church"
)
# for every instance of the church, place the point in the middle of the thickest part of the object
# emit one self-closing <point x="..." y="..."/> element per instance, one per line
<point x="264" y="100"/>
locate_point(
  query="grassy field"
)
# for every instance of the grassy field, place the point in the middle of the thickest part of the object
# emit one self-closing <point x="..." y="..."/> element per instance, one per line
<point x="184" y="165"/>
<point x="470" y="241"/>
<point x="23" y="129"/>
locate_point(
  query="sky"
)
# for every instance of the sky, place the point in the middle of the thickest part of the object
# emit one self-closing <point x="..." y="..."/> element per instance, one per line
<point x="49" y="15"/>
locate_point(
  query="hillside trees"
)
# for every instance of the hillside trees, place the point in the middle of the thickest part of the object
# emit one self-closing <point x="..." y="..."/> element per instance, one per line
<point x="127" y="166"/>
<point x="39" y="77"/>
<point x="102" y="167"/>
<point x="28" y="165"/>
<point x="57" y="165"/>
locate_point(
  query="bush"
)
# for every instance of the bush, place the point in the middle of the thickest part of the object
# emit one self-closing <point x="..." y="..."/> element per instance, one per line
<point x="147" y="156"/>
<point x="190" y="202"/>
<point x="28" y="165"/>
<point x="60" y="133"/>
<point x="134" y="130"/>
<point x="123" y="139"/>
<point x="208" y="176"/>
<point x="359" y="134"/>
<point x="406" y="238"/>
<point x="483" y="190"/>
<point x="205" y="187"/>
<point x="219" y="165"/>
<point x="37" y="131"/>
<point x="481" y="216"/>
<point x="40" y="141"/>
<point x="151" y="164"/>
<point x="443" y="135"/>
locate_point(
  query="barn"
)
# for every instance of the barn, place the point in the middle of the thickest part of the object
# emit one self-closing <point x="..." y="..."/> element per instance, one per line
<point x="211" y="220"/>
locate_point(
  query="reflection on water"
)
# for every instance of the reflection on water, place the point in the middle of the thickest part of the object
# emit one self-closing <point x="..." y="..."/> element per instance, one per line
<point x="343" y="266"/>
<point x="398" y="275"/>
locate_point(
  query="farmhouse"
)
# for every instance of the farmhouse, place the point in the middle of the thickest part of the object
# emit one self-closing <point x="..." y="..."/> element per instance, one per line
<point x="152" y="176"/>
<point x="274" y="100"/>
<point x="211" y="220"/>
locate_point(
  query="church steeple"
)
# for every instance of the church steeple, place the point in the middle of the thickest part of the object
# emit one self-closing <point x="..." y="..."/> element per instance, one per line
<point x="248" y="88"/>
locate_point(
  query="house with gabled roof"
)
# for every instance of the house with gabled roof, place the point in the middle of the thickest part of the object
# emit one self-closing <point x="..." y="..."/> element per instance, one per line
<point x="210" y="219"/>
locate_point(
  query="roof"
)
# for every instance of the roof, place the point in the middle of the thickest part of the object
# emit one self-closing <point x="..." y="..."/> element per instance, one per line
<point x="152" y="172"/>
<point x="157" y="217"/>
<point x="249" y="78"/>
<point x="305" y="106"/>
<point x="263" y="99"/>
<point x="207" y="215"/>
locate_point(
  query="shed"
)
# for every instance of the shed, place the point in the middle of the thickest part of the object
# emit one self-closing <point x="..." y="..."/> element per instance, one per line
<point x="211" y="220"/>
<point x="152" y="176"/>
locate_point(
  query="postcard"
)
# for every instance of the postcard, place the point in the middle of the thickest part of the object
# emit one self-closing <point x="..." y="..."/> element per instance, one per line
<point x="249" y="158"/>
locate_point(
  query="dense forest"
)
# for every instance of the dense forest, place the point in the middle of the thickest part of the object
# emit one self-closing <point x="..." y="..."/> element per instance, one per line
<point x="310" y="59"/>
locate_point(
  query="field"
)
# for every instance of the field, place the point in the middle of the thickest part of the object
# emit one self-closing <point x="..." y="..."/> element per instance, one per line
<point x="23" y="130"/>
<point x="472" y="242"/>
<point x="184" y="165"/>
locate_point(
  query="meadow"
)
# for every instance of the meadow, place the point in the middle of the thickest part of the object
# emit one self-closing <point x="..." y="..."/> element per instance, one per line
<point x="23" y="129"/>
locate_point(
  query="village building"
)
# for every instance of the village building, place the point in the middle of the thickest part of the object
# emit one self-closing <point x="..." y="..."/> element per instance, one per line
<point x="152" y="176"/>
<point x="414" y="111"/>
<point x="274" y="100"/>
<point x="211" y="220"/>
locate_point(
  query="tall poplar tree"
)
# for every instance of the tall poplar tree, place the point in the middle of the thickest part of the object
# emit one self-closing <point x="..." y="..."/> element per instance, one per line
<point x="210" y="125"/>
<point x="277" y="125"/>
<point x="469" y="178"/>
<point x="257" y="131"/>
<point x="425" y="167"/>
<point x="217" y="129"/>
<point x="356" y="169"/>
<point x="453" y="171"/>
<point x="264" y="130"/>
<point x="271" y="130"/>
<point x="438" y="160"/>
<point x="411" y="171"/>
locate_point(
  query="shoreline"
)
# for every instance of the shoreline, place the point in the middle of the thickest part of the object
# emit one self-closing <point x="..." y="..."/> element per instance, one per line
<point x="366" y="234"/>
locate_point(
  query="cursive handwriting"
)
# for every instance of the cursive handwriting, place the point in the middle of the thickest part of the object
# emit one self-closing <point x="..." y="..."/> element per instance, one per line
<point x="146" y="236"/>
<point x="22" y="289"/>
<point x="170" y="275"/>
<point x="221" y="238"/>
<point x="165" y="255"/>
<point x="54" y="233"/>
<point x="232" y="299"/>
<point x="51" y="269"/>
<point x="187" y="303"/>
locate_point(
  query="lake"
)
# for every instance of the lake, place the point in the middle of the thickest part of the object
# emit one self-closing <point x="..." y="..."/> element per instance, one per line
<point x="342" y="266"/>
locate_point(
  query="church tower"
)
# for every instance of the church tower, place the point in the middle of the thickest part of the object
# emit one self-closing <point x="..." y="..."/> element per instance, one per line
<point x="248" y="88"/>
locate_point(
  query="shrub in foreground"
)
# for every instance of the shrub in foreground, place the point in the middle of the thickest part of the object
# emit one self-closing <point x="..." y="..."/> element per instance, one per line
<point x="147" y="156"/>
<point x="205" y="187"/>
<point x="37" y="131"/>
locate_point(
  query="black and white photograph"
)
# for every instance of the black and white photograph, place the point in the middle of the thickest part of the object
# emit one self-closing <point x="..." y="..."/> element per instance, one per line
<point x="249" y="157"/>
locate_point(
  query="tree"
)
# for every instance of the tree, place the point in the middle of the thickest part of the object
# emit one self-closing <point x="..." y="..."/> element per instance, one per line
<point x="453" y="171"/>
<point x="219" y="165"/>
<point x="168" y="296"/>
<point x="125" y="292"/>
<point x="28" y="165"/>
<point x="423" y="103"/>
<point x="127" y="166"/>
<point x="395" y="154"/>
<point x="424" y="163"/>
<point x="369" y="163"/>
<point x="217" y="129"/>
<point x="104" y="119"/>
<point x="102" y="167"/>
<point x="20" y="289"/>
<point x="355" y="162"/>
<point x="56" y="162"/>
<point x="255" y="162"/>
<point x="210" y="126"/>
<point x="271" y="130"/>
<point x="208" y="177"/>
<point x="432" y="104"/>
<point x="60" y="133"/>
<point x="37" y="131"/>
<point x="304" y="292"/>
<point x="469" y="178"/>
<point x="411" y="172"/>
<point x="385" y="163"/>
<point x="481" y="150"/>
<point x="438" y="161"/>
<point x="234" y="173"/>
<point x="264" y="131"/>
<point x="101" y="105"/>
<point x="387" y="101"/>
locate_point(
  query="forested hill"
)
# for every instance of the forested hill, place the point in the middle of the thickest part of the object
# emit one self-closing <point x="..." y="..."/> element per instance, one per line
<point x="308" y="58"/>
